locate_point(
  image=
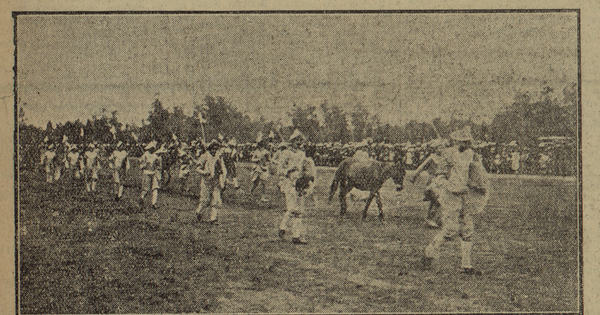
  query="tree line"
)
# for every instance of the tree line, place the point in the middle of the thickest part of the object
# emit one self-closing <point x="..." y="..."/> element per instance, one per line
<point x="530" y="116"/>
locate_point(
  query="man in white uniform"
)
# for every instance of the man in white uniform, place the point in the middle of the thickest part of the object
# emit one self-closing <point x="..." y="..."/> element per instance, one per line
<point x="460" y="196"/>
<point x="151" y="165"/>
<point x="184" y="155"/>
<point x="210" y="167"/>
<point x="515" y="162"/>
<point x="48" y="161"/>
<point x="437" y="167"/>
<point x="73" y="163"/>
<point x="120" y="165"/>
<point x="260" y="173"/>
<point x="92" y="167"/>
<point x="297" y="175"/>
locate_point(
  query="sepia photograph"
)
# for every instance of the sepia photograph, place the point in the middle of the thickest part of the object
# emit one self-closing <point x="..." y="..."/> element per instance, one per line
<point x="362" y="161"/>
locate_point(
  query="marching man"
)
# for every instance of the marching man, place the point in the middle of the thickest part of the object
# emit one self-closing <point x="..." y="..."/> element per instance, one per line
<point x="48" y="161"/>
<point x="185" y="160"/>
<point x="151" y="165"/>
<point x="210" y="167"/>
<point x="230" y="155"/>
<point x="73" y="164"/>
<point x="262" y="157"/>
<point x="120" y="164"/>
<point x="92" y="167"/>
<point x="437" y="167"/>
<point x="461" y="195"/>
<point x="297" y="176"/>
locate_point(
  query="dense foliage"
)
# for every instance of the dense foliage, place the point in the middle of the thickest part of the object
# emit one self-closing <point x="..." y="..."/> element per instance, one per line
<point x="529" y="117"/>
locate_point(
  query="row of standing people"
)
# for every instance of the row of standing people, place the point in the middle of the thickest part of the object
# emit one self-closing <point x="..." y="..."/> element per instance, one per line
<point x="551" y="159"/>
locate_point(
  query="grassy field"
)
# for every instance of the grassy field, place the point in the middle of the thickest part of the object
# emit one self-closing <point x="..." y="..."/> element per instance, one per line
<point x="91" y="254"/>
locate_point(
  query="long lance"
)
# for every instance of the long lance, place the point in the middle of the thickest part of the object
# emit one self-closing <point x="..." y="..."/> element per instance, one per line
<point x="278" y="129"/>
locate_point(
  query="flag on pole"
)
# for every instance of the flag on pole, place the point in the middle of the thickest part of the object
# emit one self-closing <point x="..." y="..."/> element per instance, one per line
<point x="201" y="118"/>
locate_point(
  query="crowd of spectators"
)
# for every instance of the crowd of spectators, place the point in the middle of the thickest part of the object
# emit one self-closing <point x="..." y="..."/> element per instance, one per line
<point x="551" y="156"/>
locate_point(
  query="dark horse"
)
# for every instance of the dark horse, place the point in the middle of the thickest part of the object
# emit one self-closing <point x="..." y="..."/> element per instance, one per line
<point x="366" y="175"/>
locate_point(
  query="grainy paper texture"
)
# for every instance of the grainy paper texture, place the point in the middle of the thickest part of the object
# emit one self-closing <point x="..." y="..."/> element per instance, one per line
<point x="399" y="80"/>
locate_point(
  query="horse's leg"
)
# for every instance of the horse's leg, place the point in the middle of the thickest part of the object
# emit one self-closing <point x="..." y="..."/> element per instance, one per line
<point x="379" y="205"/>
<point x="254" y="185"/>
<point x="369" y="200"/>
<point x="343" y="191"/>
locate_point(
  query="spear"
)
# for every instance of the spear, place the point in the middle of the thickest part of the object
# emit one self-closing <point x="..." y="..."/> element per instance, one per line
<point x="202" y="121"/>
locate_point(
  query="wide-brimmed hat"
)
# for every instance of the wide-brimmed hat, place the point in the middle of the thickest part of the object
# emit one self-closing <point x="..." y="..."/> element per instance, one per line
<point x="232" y="142"/>
<point x="296" y="135"/>
<point x="282" y="145"/>
<point x="462" y="134"/>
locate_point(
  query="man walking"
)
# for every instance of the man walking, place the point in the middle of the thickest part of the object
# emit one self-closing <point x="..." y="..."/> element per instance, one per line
<point x="120" y="165"/>
<point x="151" y="165"/>
<point x="297" y="173"/>
<point x="437" y="167"/>
<point x="92" y="167"/>
<point x="48" y="161"/>
<point x="460" y="196"/>
<point x="262" y="157"/>
<point x="210" y="167"/>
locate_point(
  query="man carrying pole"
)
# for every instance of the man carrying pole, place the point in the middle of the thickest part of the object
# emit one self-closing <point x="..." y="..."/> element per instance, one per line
<point x="210" y="167"/>
<point x="151" y="165"/>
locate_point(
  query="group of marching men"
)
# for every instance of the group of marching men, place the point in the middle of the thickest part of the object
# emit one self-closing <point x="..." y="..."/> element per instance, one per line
<point x="214" y="162"/>
<point x="458" y="187"/>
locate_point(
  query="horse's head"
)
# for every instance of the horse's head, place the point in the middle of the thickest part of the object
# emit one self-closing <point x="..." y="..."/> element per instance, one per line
<point x="397" y="174"/>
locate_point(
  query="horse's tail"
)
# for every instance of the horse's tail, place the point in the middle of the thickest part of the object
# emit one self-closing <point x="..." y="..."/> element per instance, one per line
<point x="336" y="178"/>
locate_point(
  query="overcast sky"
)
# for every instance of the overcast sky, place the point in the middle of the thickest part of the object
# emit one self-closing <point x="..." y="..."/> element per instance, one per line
<point x="400" y="66"/>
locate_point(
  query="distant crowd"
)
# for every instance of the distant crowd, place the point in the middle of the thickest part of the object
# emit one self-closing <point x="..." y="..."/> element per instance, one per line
<point x="549" y="157"/>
